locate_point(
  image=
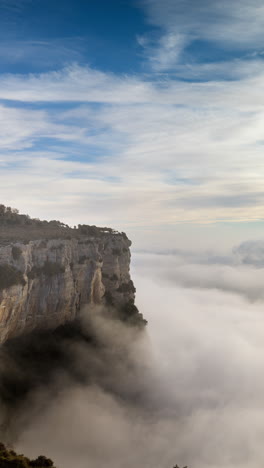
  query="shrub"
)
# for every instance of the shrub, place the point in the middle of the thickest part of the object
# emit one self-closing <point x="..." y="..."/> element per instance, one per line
<point x="34" y="272"/>
<point x="130" y="314"/>
<point x="9" y="276"/>
<point x="116" y="252"/>
<point x="42" y="244"/>
<point x="56" y="247"/>
<point x="49" y="269"/>
<point x="108" y="298"/>
<point x="87" y="230"/>
<point x="16" y="252"/>
<point x="127" y="287"/>
<point x="10" y="459"/>
<point x="82" y="259"/>
<point x="41" y="461"/>
<point x="52" y="269"/>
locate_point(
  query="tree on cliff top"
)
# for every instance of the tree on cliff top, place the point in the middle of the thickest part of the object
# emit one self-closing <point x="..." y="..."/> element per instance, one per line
<point x="10" y="217"/>
<point x="9" y="458"/>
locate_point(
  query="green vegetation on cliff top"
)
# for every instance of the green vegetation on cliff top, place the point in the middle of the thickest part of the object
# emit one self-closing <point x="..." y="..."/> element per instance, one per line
<point x="10" y="459"/>
<point x="15" y="226"/>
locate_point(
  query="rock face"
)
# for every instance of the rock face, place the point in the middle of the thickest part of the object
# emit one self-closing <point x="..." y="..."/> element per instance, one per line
<point x="44" y="283"/>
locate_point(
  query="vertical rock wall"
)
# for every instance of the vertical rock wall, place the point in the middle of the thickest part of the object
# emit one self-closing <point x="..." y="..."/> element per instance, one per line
<point x="44" y="283"/>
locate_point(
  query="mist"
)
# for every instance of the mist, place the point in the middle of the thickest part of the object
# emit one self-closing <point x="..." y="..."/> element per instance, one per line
<point x="189" y="389"/>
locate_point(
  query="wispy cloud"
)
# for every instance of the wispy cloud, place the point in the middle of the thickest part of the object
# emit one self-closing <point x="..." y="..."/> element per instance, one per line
<point x="197" y="40"/>
<point x="170" y="152"/>
<point x="164" y="53"/>
<point x="146" y="149"/>
<point x="236" y="23"/>
<point x="40" y="55"/>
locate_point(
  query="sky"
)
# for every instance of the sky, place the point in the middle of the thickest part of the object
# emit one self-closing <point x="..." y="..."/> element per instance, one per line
<point x="142" y="115"/>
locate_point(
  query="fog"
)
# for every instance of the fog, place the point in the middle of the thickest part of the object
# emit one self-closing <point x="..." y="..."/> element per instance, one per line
<point x="189" y="390"/>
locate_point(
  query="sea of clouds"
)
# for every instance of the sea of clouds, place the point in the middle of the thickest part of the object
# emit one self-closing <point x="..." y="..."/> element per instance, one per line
<point x="188" y="390"/>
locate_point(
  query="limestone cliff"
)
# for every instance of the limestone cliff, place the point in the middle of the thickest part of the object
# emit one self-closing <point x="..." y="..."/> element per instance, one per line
<point x="44" y="282"/>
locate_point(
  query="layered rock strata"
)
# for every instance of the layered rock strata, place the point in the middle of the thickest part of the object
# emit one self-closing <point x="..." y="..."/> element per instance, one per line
<point x="44" y="283"/>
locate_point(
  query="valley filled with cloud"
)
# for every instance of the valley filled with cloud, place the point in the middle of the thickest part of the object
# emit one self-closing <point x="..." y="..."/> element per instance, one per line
<point x="145" y="116"/>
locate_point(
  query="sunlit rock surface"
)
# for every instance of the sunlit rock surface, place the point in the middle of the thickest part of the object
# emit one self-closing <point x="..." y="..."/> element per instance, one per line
<point x="55" y="277"/>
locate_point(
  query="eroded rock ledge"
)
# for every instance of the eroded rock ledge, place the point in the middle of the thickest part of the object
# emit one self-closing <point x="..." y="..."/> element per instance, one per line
<point x="44" y="282"/>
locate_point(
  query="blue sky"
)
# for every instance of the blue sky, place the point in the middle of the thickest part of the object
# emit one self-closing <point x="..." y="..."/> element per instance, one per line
<point x="140" y="114"/>
<point x="44" y="35"/>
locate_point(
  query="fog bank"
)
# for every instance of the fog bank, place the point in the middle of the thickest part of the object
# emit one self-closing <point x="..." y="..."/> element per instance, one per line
<point x="189" y="390"/>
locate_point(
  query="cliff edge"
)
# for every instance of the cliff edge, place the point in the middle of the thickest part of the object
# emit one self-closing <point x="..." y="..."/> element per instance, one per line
<point x="48" y="271"/>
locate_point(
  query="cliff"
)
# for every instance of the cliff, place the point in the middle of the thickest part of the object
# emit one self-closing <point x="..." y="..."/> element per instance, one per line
<point x="44" y="282"/>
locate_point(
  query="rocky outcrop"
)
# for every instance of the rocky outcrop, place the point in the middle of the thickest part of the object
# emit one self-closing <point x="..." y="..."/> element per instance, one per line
<point x="45" y="282"/>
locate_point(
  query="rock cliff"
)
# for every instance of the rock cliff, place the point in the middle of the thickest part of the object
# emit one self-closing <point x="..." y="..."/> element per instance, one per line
<point x="44" y="282"/>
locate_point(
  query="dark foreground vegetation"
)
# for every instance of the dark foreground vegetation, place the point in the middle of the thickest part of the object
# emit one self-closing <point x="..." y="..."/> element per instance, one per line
<point x="16" y="226"/>
<point x="10" y="459"/>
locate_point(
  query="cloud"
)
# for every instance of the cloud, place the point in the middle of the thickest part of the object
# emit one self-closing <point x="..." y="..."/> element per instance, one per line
<point x="231" y="24"/>
<point x="153" y="152"/>
<point x="72" y="84"/>
<point x="75" y="83"/>
<point x="224" y="70"/>
<point x="238" y="272"/>
<point x="194" y="394"/>
<point x="21" y="128"/>
<point x="163" y="54"/>
<point x="204" y="41"/>
<point x="250" y="253"/>
<point x="182" y="143"/>
<point x="40" y="55"/>
<point x="210" y="349"/>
